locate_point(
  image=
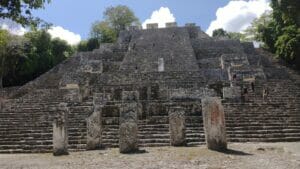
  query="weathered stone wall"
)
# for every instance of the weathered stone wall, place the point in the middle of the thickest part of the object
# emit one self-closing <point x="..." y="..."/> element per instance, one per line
<point x="171" y="44"/>
<point x="233" y="93"/>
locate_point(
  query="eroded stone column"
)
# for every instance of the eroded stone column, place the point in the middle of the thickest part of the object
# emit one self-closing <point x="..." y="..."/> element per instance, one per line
<point x="128" y="131"/>
<point x="214" y="123"/>
<point x="177" y="126"/>
<point x="60" y="132"/>
<point x="94" y="123"/>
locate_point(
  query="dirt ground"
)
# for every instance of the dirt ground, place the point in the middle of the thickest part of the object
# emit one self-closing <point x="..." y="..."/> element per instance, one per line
<point x="239" y="156"/>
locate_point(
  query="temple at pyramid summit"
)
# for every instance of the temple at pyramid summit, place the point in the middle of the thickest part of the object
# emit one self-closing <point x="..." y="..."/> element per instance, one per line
<point x="152" y="83"/>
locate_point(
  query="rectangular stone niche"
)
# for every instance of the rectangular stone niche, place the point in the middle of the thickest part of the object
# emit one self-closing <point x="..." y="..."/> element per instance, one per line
<point x="60" y="132"/>
<point x="177" y="126"/>
<point x="214" y="124"/>
<point x="161" y="65"/>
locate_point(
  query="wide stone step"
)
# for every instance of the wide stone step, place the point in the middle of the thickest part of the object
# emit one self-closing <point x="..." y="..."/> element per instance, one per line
<point x="153" y="136"/>
<point x="262" y="131"/>
<point x="286" y="139"/>
<point x="145" y="141"/>
<point x="269" y="135"/>
<point x="153" y="144"/>
<point x="196" y="143"/>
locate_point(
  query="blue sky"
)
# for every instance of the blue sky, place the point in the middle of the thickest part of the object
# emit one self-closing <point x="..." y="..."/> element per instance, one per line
<point x="72" y="19"/>
<point x="78" y="15"/>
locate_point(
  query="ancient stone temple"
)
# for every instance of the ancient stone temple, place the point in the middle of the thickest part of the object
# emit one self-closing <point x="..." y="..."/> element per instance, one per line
<point x="170" y="71"/>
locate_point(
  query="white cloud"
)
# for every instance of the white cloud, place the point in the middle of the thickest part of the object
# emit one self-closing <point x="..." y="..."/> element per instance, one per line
<point x="55" y="32"/>
<point x="60" y="32"/>
<point x="12" y="27"/>
<point x="161" y="16"/>
<point x="237" y="15"/>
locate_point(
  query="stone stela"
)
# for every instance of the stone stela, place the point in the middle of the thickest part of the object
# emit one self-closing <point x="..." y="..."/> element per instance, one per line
<point x="214" y="124"/>
<point x="128" y="132"/>
<point x="94" y="123"/>
<point x="177" y="126"/>
<point x="60" y="132"/>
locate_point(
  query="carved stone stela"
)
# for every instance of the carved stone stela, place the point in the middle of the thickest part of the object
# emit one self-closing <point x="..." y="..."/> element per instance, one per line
<point x="177" y="126"/>
<point x="128" y="131"/>
<point x="214" y="123"/>
<point x="60" y="132"/>
<point x="94" y="123"/>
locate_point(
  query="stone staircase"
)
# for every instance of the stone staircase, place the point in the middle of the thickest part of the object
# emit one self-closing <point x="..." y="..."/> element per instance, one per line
<point x="24" y="128"/>
<point x="157" y="134"/>
<point x="77" y="125"/>
<point x="250" y="122"/>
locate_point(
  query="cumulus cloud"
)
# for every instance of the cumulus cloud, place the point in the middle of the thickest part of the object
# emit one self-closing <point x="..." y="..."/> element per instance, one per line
<point x="55" y="32"/>
<point x="161" y="16"/>
<point x="237" y="15"/>
<point x="12" y="27"/>
<point x="60" y="32"/>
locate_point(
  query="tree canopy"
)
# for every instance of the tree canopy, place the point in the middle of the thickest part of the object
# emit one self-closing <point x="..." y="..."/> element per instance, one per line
<point x="221" y="33"/>
<point x="24" y="58"/>
<point x="116" y="19"/>
<point x="120" y="17"/>
<point x="20" y="10"/>
<point x="279" y="30"/>
<point x="4" y="39"/>
<point x="103" y="32"/>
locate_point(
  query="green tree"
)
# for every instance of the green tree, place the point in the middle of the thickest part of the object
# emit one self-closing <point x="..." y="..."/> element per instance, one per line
<point x="103" y="32"/>
<point x="60" y="51"/>
<point x="120" y="17"/>
<point x="116" y="19"/>
<point x="43" y="53"/>
<point x="11" y="54"/>
<point x="88" y="45"/>
<point x="287" y="45"/>
<point x="39" y="55"/>
<point x="92" y="44"/>
<point x="255" y="30"/>
<point x="4" y="40"/>
<point x="219" y="33"/>
<point x="237" y="36"/>
<point x="16" y="56"/>
<point x="82" y="46"/>
<point x="279" y="30"/>
<point x="20" y="10"/>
